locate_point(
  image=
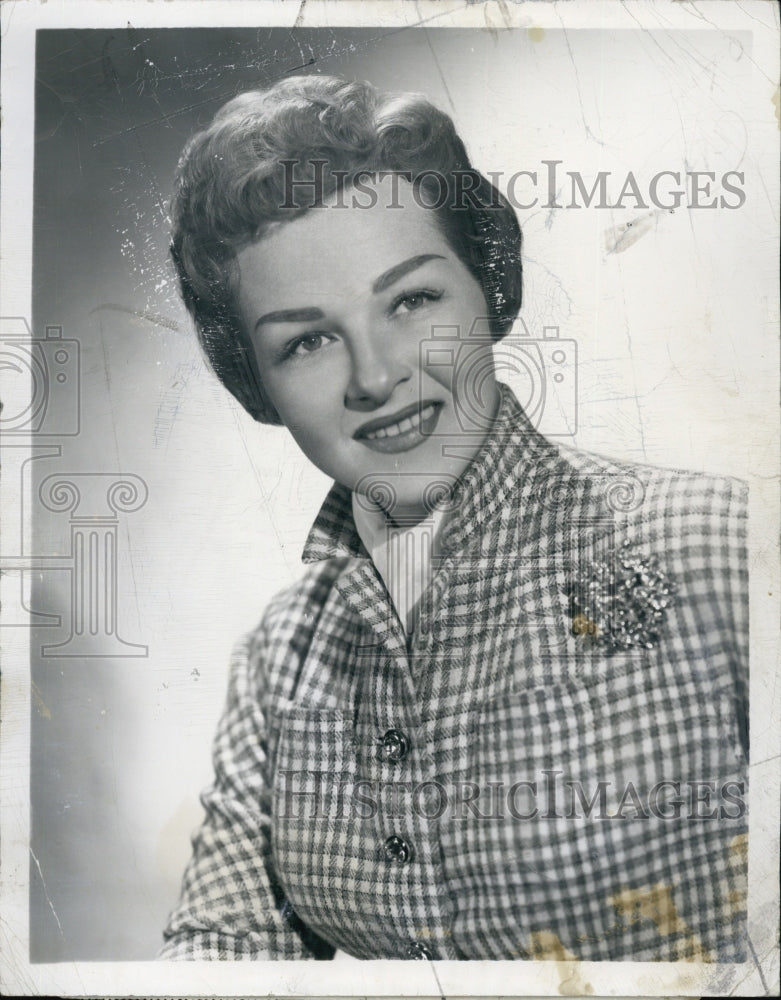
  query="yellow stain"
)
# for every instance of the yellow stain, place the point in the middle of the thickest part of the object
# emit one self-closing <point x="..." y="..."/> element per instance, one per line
<point x="584" y="626"/>
<point x="656" y="904"/>
<point x="738" y="848"/>
<point x="737" y="899"/>
<point x="536" y="34"/>
<point x="547" y="946"/>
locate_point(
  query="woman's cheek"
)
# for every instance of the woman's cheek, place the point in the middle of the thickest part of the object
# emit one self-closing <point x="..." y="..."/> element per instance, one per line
<point x="306" y="392"/>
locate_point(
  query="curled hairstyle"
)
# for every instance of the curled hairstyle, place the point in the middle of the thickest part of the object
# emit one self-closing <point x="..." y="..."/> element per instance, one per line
<point x="270" y="155"/>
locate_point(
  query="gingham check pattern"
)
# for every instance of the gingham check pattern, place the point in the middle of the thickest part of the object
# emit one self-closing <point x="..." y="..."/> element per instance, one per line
<point x="492" y="689"/>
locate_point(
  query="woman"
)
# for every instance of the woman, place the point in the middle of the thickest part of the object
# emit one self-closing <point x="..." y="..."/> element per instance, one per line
<point x="502" y="714"/>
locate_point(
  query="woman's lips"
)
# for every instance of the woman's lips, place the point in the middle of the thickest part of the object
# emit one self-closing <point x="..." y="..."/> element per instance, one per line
<point x="409" y="429"/>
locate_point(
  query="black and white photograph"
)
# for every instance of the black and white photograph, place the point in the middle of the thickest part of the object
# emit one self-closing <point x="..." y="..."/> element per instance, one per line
<point x="390" y="511"/>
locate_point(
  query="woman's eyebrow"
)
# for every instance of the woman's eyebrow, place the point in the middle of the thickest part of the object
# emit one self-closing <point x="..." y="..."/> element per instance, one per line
<point x="395" y="273"/>
<point x="305" y="315"/>
<point x="309" y="314"/>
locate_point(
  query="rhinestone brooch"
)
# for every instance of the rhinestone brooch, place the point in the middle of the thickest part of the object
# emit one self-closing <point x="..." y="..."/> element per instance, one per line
<point x="620" y="602"/>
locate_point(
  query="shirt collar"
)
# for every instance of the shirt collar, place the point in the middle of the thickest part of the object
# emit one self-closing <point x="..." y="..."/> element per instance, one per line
<point x="511" y="445"/>
<point x="404" y="556"/>
<point x="373" y="525"/>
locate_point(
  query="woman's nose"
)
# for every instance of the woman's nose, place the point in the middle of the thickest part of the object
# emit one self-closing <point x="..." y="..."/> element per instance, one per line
<point x="375" y="373"/>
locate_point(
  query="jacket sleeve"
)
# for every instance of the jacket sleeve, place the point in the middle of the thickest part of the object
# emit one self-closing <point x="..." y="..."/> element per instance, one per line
<point x="712" y="538"/>
<point x="231" y="905"/>
<point x="735" y="543"/>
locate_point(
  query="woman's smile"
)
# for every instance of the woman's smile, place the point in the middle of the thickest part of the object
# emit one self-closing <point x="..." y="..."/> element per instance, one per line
<point x="401" y="431"/>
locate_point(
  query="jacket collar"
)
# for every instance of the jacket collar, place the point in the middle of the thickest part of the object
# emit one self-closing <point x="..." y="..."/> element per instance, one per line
<point x="512" y="447"/>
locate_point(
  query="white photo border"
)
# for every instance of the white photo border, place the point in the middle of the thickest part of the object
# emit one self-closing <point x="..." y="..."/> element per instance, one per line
<point x="757" y="977"/>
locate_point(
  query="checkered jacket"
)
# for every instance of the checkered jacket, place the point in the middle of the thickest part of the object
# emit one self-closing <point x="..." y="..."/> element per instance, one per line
<point x="464" y="792"/>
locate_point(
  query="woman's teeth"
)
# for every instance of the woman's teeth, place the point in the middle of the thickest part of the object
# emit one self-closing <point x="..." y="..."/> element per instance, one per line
<point x="403" y="426"/>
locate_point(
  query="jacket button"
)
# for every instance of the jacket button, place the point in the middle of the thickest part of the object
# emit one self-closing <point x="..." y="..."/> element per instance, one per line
<point x="398" y="849"/>
<point x="418" y="950"/>
<point x="394" y="746"/>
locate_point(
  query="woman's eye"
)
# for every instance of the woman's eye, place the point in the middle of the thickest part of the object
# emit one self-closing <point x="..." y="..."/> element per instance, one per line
<point x="307" y="344"/>
<point x="410" y="301"/>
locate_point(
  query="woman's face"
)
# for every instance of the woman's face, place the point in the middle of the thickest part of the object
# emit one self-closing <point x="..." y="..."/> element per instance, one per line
<point x="341" y="305"/>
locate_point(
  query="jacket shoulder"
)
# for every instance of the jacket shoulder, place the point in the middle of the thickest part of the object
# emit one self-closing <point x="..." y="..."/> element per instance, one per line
<point x="673" y="499"/>
<point x="695" y="524"/>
